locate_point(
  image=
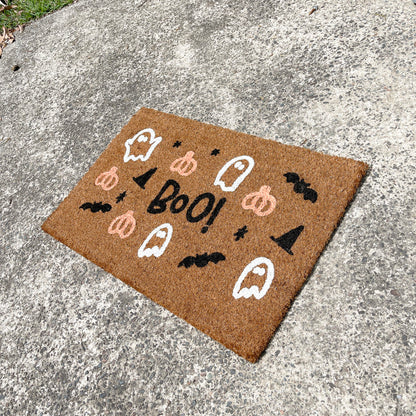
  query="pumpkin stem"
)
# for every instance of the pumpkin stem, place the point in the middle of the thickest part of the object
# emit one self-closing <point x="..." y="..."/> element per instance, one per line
<point x="265" y="190"/>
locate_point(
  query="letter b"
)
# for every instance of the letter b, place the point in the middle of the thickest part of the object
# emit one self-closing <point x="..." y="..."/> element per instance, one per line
<point x="158" y="205"/>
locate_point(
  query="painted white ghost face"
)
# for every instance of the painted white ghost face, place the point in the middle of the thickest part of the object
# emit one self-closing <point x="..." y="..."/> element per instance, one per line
<point x="242" y="165"/>
<point x="164" y="233"/>
<point x="259" y="266"/>
<point x="147" y="137"/>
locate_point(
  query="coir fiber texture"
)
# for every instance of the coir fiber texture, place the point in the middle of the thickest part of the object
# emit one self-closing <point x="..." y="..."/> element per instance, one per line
<point x="219" y="227"/>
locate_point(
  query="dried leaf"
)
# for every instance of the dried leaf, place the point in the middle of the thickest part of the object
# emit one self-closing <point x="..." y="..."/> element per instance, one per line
<point x="5" y="39"/>
<point x="314" y="9"/>
<point x="9" y="7"/>
<point x="10" y="37"/>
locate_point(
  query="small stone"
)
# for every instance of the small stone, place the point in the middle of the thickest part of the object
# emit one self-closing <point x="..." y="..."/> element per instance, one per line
<point x="15" y="68"/>
<point x="394" y="292"/>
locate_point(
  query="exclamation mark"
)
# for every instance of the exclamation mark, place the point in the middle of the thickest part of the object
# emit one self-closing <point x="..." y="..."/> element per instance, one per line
<point x="214" y="214"/>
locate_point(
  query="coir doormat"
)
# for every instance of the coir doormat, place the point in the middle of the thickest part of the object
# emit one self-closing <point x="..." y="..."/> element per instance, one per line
<point x="219" y="227"/>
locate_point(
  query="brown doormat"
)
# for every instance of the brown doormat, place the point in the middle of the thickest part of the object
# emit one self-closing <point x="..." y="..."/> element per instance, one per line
<point x="219" y="227"/>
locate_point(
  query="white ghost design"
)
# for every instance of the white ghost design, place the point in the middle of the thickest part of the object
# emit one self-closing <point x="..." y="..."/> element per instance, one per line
<point x="238" y="164"/>
<point x="259" y="266"/>
<point x="141" y="137"/>
<point x="164" y="232"/>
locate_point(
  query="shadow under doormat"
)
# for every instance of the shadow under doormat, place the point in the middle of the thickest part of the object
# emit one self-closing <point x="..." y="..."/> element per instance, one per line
<point x="219" y="227"/>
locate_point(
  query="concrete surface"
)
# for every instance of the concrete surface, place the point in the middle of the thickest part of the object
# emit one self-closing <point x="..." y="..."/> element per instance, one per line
<point x="76" y="341"/>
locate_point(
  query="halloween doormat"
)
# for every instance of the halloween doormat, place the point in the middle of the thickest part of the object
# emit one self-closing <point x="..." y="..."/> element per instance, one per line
<point x="221" y="228"/>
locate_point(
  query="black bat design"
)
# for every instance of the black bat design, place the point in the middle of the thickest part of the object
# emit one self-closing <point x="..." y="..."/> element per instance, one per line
<point x="301" y="187"/>
<point x="201" y="260"/>
<point x="96" y="206"/>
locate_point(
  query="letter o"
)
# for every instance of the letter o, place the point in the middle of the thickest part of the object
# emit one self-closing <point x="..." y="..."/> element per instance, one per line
<point x="181" y="198"/>
<point x="205" y="212"/>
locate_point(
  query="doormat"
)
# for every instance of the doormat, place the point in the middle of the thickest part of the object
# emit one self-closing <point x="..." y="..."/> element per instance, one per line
<point x="219" y="227"/>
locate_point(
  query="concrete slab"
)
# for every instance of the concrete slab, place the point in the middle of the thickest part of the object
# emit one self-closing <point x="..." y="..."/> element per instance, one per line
<point x="74" y="340"/>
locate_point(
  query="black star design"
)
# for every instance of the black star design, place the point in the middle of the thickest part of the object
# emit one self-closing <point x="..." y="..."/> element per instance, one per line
<point x="177" y="143"/>
<point x="240" y="233"/>
<point x="121" y="197"/>
<point x="215" y="152"/>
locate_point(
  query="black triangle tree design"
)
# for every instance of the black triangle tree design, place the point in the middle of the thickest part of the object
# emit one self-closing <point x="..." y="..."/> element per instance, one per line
<point x="142" y="179"/>
<point x="287" y="240"/>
